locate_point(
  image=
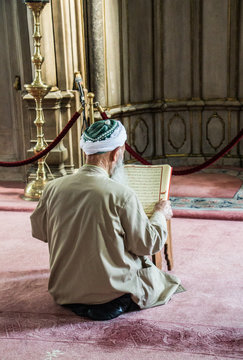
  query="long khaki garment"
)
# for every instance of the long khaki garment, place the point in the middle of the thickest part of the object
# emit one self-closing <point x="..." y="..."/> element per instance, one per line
<point x="98" y="237"/>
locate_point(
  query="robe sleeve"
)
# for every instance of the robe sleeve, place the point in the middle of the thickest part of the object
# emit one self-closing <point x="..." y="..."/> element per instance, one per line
<point x="39" y="220"/>
<point x="142" y="236"/>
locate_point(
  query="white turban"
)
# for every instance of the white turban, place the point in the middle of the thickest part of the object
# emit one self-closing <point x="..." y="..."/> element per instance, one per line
<point x="103" y="136"/>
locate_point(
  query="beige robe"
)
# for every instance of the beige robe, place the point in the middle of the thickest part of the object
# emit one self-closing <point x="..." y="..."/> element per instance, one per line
<point x="98" y="237"/>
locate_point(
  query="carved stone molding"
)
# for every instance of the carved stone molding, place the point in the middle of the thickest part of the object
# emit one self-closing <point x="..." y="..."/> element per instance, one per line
<point x="163" y="105"/>
<point x="215" y="131"/>
<point x="177" y="131"/>
<point x="140" y="135"/>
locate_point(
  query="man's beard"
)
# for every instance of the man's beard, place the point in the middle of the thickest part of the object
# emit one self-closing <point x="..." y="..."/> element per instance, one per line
<point x="118" y="173"/>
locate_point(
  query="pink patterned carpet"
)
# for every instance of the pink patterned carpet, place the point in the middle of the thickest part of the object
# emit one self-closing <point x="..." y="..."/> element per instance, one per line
<point x="211" y="194"/>
<point x="204" y="185"/>
<point x="205" y="322"/>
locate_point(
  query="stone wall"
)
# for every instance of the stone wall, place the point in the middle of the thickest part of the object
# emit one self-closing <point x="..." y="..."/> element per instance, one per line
<point x="63" y="48"/>
<point x="15" y="70"/>
<point x="170" y="70"/>
<point x="173" y="75"/>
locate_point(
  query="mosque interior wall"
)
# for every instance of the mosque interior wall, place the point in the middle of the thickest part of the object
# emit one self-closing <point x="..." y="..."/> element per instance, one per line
<point x="171" y="71"/>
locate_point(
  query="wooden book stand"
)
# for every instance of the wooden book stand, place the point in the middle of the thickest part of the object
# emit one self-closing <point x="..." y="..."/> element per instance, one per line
<point x="157" y="258"/>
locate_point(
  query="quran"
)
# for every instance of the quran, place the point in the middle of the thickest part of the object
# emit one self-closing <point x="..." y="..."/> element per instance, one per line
<point x="151" y="183"/>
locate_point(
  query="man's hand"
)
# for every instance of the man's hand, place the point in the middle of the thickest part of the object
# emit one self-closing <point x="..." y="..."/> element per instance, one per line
<point x="165" y="208"/>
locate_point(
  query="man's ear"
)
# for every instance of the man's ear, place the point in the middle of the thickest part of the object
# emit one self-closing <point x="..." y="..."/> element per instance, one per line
<point x="114" y="154"/>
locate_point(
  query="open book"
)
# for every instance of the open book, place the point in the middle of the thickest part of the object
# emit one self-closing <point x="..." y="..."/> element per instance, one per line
<point x="151" y="183"/>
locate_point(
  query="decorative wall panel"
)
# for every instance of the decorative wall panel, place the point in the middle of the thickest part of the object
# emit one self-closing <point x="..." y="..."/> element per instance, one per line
<point x="159" y="134"/>
<point x="233" y="34"/>
<point x="68" y="24"/>
<point x="233" y="129"/>
<point x="14" y="49"/>
<point x="196" y="132"/>
<point x="215" y="48"/>
<point x="142" y="134"/>
<point x="112" y="49"/>
<point x="215" y="128"/>
<point x="177" y="49"/>
<point x="177" y="132"/>
<point x="240" y="145"/>
<point x="140" y="50"/>
<point x="158" y="52"/>
<point x="240" y="45"/>
<point x="181" y="62"/>
<point x="163" y="67"/>
<point x="215" y="131"/>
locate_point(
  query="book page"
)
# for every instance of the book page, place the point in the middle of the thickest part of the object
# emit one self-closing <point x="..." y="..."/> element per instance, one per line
<point x="150" y="183"/>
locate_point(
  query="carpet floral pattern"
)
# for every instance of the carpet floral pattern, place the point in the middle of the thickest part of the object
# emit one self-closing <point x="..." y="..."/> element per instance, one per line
<point x="125" y="333"/>
<point x="204" y="322"/>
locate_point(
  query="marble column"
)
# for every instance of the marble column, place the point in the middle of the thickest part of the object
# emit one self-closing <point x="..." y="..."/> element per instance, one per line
<point x="95" y="12"/>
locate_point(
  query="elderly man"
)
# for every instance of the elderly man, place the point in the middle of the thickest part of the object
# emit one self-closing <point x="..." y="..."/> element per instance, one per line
<point x="98" y="234"/>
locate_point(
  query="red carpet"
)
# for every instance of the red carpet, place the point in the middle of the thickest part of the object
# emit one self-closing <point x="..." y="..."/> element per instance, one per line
<point x="204" y="185"/>
<point x="202" y="195"/>
<point x="208" y="214"/>
<point x="212" y="194"/>
<point x="10" y="197"/>
<point x="205" y="322"/>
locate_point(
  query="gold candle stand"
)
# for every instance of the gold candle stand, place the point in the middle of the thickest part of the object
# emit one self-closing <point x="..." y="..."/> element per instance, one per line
<point x="38" y="90"/>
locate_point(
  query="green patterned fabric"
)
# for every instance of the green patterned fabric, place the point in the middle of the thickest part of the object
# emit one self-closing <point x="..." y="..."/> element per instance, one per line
<point x="103" y="136"/>
<point x="100" y="130"/>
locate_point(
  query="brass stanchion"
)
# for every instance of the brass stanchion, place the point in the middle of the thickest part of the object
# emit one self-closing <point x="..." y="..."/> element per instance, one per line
<point x="90" y="100"/>
<point x="38" y="90"/>
<point x="90" y="97"/>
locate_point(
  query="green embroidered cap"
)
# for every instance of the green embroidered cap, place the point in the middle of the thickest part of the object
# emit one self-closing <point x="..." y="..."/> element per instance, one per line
<point x="103" y="136"/>
<point x="100" y="130"/>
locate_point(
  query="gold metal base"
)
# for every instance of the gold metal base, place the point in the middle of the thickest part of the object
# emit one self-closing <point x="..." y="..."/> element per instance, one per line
<point x="34" y="190"/>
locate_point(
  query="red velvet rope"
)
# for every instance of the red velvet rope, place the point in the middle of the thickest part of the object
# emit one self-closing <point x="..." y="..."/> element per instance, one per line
<point x="47" y="149"/>
<point x="74" y="118"/>
<point x="212" y="160"/>
<point x="190" y="170"/>
<point x="128" y="148"/>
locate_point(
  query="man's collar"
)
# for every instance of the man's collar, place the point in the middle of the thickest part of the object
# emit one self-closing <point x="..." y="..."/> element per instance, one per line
<point x="95" y="168"/>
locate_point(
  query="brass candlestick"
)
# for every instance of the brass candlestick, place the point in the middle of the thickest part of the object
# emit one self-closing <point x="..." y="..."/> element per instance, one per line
<point x="38" y="90"/>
